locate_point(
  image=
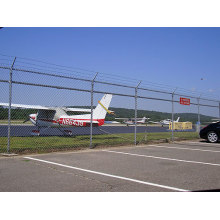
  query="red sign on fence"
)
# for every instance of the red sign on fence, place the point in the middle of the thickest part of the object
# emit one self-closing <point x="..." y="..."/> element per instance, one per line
<point x="184" y="101"/>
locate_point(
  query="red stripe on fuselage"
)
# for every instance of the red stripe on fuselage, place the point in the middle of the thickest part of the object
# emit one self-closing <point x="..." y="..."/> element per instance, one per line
<point x="79" y="122"/>
<point x="75" y="122"/>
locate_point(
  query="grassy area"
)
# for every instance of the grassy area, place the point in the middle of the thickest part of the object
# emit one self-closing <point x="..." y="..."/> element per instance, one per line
<point x="15" y="122"/>
<point x="55" y="143"/>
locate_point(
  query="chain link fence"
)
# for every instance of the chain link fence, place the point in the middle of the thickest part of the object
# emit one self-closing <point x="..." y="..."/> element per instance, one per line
<point x="37" y="115"/>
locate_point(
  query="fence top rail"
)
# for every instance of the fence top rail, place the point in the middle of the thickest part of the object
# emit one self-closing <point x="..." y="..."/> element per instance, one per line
<point x="107" y="83"/>
<point x="100" y="92"/>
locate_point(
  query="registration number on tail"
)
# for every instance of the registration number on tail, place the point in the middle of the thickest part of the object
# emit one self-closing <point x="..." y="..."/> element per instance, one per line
<point x="69" y="121"/>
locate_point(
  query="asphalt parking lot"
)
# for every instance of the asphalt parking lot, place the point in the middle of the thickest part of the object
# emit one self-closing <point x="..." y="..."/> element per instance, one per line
<point x="182" y="166"/>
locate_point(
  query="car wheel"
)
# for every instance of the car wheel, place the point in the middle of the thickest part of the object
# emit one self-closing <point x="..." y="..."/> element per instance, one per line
<point x="212" y="137"/>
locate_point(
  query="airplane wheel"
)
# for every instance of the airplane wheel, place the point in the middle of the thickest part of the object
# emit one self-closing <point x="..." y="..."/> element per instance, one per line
<point x="35" y="133"/>
<point x="68" y="133"/>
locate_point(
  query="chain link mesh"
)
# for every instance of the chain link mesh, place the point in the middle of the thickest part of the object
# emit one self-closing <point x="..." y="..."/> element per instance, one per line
<point x="62" y="87"/>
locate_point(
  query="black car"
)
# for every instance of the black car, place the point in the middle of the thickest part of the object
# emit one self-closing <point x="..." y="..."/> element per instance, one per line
<point x="211" y="132"/>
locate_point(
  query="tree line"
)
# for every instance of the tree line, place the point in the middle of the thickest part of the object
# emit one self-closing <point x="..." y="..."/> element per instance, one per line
<point x="22" y="114"/>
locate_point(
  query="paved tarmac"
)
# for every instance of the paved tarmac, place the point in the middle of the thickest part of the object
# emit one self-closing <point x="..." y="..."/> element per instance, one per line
<point x="183" y="166"/>
<point x="25" y="130"/>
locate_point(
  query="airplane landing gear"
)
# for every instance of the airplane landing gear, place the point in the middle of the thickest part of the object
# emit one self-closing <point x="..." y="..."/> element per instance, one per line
<point x="66" y="132"/>
<point x="35" y="133"/>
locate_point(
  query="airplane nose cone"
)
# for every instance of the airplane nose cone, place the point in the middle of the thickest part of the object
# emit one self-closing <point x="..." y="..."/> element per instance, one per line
<point x="32" y="116"/>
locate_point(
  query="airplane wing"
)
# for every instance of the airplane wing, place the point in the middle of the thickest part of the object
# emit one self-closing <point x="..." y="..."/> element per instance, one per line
<point x="154" y="122"/>
<point x="21" y="106"/>
<point x="39" y="107"/>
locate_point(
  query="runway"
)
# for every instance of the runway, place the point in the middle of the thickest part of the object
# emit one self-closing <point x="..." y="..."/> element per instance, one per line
<point x="25" y="130"/>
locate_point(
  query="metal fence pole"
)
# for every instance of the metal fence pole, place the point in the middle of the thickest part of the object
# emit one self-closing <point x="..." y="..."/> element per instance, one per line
<point x="198" y="128"/>
<point x="173" y="114"/>
<point x="9" y="106"/>
<point x="92" y="90"/>
<point x="219" y="111"/>
<point x="135" y="115"/>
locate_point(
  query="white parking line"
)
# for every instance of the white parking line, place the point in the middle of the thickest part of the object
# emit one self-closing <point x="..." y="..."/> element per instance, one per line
<point x="183" y="148"/>
<point x="202" y="143"/>
<point x="109" y="175"/>
<point x="162" y="158"/>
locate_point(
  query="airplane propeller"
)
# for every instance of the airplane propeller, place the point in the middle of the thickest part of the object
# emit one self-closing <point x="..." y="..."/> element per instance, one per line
<point x="27" y="119"/>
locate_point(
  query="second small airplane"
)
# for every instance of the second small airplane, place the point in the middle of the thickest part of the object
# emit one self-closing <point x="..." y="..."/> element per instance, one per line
<point x="131" y="121"/>
<point x="164" y="122"/>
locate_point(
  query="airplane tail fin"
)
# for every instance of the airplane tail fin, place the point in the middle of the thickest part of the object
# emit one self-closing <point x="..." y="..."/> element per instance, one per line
<point x="143" y="119"/>
<point x="177" y="120"/>
<point x="102" y="108"/>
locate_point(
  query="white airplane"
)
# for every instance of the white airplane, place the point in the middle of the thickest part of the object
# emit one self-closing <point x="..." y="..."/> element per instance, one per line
<point x="165" y="121"/>
<point x="215" y="120"/>
<point x="57" y="117"/>
<point x="131" y="121"/>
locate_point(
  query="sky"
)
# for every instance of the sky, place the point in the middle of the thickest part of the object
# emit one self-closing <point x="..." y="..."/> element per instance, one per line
<point x="179" y="57"/>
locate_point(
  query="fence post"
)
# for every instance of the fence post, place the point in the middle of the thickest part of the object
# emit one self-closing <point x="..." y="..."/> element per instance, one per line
<point x="135" y="115"/>
<point x="9" y="106"/>
<point x="173" y="113"/>
<point x="219" y="111"/>
<point x="92" y="89"/>
<point x="198" y="126"/>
